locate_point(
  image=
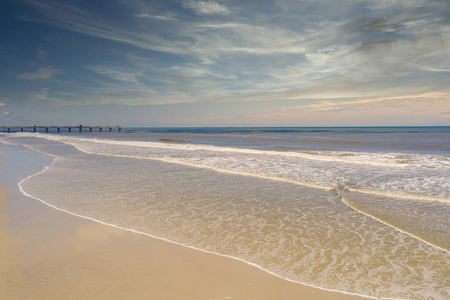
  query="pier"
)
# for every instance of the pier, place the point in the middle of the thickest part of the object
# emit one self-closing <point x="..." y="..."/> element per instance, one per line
<point x="59" y="129"/>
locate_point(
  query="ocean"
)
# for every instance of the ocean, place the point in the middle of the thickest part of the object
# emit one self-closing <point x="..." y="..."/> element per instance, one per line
<point x="360" y="210"/>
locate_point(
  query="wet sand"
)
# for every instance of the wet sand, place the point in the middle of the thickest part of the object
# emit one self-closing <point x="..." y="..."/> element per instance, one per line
<point x="48" y="254"/>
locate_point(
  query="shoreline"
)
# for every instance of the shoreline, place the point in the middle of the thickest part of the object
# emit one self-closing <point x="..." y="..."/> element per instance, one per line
<point x="58" y="254"/>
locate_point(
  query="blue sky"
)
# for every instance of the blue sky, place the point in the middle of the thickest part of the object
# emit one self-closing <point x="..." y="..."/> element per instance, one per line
<point x="225" y="63"/>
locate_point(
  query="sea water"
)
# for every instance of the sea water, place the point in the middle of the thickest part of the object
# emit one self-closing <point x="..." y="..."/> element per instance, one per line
<point x="357" y="210"/>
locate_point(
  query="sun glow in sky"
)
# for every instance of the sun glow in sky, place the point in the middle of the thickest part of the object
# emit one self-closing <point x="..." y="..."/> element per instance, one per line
<point x="225" y="62"/>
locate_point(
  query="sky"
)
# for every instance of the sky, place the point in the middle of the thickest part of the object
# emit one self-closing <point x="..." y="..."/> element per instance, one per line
<point x="225" y="62"/>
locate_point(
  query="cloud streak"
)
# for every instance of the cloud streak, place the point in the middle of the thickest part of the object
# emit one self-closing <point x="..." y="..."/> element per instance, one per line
<point x="436" y="99"/>
<point x="70" y="17"/>
<point x="41" y="74"/>
<point x="40" y="95"/>
<point x="207" y="7"/>
<point x="413" y="110"/>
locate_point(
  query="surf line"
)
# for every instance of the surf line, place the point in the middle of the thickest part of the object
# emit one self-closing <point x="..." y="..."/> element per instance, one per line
<point x="348" y="203"/>
<point x="181" y="244"/>
<point x="217" y="169"/>
<point x="244" y="173"/>
<point x="265" y="176"/>
<point x="401" y="196"/>
<point x="194" y="147"/>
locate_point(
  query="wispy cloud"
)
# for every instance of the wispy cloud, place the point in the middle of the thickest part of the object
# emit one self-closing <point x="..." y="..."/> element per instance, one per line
<point x="437" y="100"/>
<point x="40" y="95"/>
<point x="207" y="7"/>
<point x="41" y="53"/>
<point x="42" y="73"/>
<point x="152" y="16"/>
<point x="121" y="74"/>
<point x="70" y="17"/>
<point x="424" y="109"/>
<point x="2" y="104"/>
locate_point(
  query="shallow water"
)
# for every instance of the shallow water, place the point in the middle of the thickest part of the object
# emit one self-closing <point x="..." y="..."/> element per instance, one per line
<point x="363" y="211"/>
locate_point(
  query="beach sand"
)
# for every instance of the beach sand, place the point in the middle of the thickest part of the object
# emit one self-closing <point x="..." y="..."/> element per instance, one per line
<point x="48" y="254"/>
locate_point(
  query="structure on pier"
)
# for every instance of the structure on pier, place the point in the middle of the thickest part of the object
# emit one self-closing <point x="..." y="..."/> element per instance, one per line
<point x="59" y="128"/>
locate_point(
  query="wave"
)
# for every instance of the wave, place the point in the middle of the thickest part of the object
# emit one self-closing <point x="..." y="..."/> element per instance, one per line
<point x="223" y="169"/>
<point x="256" y="165"/>
<point x="400" y="196"/>
<point x="350" y="204"/>
<point x="384" y="160"/>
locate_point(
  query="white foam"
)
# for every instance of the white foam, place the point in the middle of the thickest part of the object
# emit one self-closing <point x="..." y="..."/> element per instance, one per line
<point x="386" y="160"/>
<point x="288" y="167"/>
<point x="400" y="195"/>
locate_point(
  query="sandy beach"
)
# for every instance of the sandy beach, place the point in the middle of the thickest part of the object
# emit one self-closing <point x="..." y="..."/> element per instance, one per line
<point x="48" y="254"/>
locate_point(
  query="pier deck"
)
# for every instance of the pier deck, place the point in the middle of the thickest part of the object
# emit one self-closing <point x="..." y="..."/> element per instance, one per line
<point x="58" y="129"/>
